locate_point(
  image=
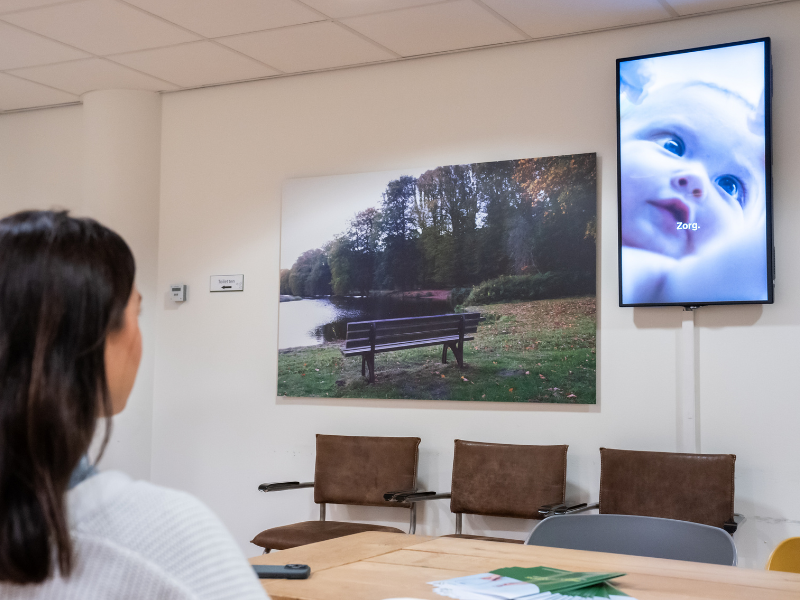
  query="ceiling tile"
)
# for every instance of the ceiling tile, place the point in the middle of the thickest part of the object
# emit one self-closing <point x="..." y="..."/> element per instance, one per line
<point x="435" y="28"/>
<point x="9" y="5"/>
<point x="215" y="18"/>
<point x="544" y="18"/>
<point x="352" y="8"/>
<point x="307" y="47"/>
<point x="18" y="93"/>
<point x="81" y="76"/>
<point x="20" y="48"/>
<point x="688" y="7"/>
<point x="195" y="64"/>
<point x="101" y="26"/>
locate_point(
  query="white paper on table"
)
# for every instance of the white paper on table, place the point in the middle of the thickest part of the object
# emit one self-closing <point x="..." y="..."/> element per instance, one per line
<point x="464" y="594"/>
<point x="489" y="585"/>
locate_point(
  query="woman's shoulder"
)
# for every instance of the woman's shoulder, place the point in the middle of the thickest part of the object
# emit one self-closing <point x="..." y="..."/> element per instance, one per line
<point x="166" y="527"/>
<point x="111" y="497"/>
<point x="141" y="515"/>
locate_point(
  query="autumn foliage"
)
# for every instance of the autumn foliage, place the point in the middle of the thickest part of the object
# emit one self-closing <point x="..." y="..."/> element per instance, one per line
<point x="463" y="226"/>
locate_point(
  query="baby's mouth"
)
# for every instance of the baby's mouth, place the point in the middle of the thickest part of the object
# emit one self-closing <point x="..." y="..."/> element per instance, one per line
<point x="679" y="210"/>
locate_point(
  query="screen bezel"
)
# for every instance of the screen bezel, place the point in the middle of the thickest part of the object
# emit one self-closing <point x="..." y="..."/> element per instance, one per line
<point x="767" y="175"/>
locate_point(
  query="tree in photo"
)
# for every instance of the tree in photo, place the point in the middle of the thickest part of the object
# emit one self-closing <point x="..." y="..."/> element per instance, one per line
<point x="562" y="195"/>
<point x="310" y="274"/>
<point x="340" y="261"/>
<point x="400" y="259"/>
<point x="498" y="195"/>
<point x="449" y="197"/>
<point x="364" y="238"/>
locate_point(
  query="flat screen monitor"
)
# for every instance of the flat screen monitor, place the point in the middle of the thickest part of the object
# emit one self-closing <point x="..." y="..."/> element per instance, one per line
<point x="694" y="176"/>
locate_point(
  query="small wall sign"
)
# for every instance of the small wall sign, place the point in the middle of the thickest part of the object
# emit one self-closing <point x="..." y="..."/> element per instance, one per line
<point x="227" y="283"/>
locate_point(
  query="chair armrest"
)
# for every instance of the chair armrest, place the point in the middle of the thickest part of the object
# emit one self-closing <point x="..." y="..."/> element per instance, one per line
<point x="548" y="510"/>
<point x="419" y="497"/>
<point x="413" y="496"/>
<point x="732" y="526"/>
<point x="284" y="485"/>
<point x="389" y="496"/>
<point x="578" y="508"/>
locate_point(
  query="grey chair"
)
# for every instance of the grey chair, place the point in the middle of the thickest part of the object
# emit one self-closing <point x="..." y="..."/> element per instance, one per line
<point x="636" y="535"/>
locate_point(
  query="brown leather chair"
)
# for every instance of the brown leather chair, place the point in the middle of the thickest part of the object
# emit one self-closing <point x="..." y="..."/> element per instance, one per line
<point x="502" y="480"/>
<point x="686" y="487"/>
<point x="352" y="470"/>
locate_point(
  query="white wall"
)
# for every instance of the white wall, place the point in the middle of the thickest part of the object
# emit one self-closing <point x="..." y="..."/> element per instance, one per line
<point x="41" y="159"/>
<point x="101" y="160"/>
<point x="121" y="176"/>
<point x="219" y="429"/>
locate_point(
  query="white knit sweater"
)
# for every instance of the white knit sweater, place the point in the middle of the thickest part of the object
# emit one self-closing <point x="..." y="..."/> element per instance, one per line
<point x="135" y="540"/>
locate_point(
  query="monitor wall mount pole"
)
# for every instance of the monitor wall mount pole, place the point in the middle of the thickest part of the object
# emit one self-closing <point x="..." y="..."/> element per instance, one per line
<point x="688" y="408"/>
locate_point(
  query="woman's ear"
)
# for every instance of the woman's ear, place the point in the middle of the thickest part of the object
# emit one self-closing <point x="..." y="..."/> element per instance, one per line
<point x="123" y="353"/>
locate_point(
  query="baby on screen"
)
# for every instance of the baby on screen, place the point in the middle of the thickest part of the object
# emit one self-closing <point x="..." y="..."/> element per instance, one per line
<point x="693" y="199"/>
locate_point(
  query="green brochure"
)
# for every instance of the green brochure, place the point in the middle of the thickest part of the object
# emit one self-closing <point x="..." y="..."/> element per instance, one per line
<point x="555" y="580"/>
<point x="602" y="590"/>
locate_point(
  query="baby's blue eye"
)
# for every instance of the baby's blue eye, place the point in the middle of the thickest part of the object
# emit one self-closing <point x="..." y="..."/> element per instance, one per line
<point x="731" y="186"/>
<point x="675" y="145"/>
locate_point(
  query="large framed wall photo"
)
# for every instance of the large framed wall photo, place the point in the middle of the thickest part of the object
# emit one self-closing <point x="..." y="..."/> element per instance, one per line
<point x="414" y="254"/>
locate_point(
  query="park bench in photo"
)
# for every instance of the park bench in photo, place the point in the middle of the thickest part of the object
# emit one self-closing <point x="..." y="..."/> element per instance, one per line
<point x="368" y="338"/>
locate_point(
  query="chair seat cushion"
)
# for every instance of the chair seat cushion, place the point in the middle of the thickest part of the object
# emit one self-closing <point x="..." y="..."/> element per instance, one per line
<point x="483" y="538"/>
<point x="309" y="532"/>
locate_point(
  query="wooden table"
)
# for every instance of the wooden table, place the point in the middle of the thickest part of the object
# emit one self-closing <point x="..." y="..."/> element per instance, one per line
<point x="375" y="566"/>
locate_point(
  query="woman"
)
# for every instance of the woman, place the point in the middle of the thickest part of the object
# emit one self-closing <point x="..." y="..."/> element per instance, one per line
<point x="70" y="348"/>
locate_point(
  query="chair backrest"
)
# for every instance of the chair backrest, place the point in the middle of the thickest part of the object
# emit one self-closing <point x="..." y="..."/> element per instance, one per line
<point x="361" y="469"/>
<point x="639" y="536"/>
<point x="506" y="480"/>
<point x="786" y="557"/>
<point x="687" y="487"/>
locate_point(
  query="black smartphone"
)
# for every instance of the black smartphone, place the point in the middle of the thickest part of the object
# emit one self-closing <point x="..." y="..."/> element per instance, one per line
<point x="282" y="571"/>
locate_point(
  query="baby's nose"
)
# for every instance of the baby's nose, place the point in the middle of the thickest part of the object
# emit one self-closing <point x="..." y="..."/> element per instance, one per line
<point x="689" y="184"/>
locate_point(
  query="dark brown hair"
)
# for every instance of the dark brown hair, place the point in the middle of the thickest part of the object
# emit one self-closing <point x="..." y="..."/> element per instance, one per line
<point x="64" y="286"/>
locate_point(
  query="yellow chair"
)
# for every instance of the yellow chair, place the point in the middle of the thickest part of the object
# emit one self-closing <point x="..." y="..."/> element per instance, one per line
<point x="786" y="557"/>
